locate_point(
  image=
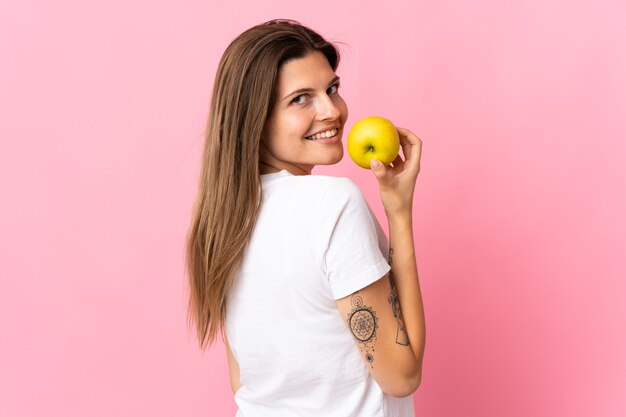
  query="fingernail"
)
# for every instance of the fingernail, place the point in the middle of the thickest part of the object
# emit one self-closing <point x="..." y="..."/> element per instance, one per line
<point x="375" y="163"/>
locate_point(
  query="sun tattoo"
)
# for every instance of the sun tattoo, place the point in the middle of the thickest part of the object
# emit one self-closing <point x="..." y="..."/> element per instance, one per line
<point x="362" y="322"/>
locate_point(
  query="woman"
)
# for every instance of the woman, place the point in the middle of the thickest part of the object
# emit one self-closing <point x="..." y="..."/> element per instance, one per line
<point x="290" y="265"/>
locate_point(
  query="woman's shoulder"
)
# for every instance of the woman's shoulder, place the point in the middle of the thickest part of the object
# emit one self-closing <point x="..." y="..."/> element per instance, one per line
<point x="327" y="188"/>
<point x="337" y="191"/>
<point x="334" y="185"/>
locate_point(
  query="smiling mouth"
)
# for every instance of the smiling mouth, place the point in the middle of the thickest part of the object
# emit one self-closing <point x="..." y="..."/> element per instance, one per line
<point x="324" y="135"/>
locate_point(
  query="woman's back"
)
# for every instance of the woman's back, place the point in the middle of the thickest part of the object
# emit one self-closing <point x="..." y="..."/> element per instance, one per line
<point x="315" y="241"/>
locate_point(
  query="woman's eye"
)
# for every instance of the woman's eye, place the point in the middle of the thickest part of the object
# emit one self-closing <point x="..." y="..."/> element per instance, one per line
<point x="301" y="99"/>
<point x="336" y="88"/>
<point x="297" y="100"/>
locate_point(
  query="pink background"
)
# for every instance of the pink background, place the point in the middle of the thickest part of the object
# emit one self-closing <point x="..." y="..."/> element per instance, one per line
<point x="519" y="209"/>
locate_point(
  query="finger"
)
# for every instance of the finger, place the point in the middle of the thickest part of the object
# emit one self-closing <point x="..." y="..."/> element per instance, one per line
<point x="405" y="142"/>
<point x="416" y="155"/>
<point x="378" y="168"/>
<point x="409" y="142"/>
<point x="406" y="150"/>
<point x="398" y="162"/>
<point x="408" y="135"/>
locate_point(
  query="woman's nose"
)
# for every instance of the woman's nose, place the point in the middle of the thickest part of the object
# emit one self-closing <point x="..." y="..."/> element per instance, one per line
<point x="327" y="109"/>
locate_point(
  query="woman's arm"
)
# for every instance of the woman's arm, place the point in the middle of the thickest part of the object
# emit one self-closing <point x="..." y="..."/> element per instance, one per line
<point x="405" y="288"/>
<point x="397" y="186"/>
<point x="386" y="318"/>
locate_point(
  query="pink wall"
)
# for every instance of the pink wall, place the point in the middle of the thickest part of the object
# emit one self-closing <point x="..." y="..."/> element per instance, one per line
<point x="519" y="209"/>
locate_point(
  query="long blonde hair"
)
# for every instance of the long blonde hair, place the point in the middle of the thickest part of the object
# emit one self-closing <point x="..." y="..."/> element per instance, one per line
<point x="229" y="192"/>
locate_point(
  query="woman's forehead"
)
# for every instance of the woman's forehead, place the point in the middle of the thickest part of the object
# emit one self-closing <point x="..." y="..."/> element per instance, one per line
<point x="310" y="72"/>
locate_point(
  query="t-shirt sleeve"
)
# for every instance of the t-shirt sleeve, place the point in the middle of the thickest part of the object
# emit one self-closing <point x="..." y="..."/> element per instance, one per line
<point x="351" y="238"/>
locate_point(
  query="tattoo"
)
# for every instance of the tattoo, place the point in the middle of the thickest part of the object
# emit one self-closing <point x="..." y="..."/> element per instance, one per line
<point x="402" y="337"/>
<point x="362" y="322"/>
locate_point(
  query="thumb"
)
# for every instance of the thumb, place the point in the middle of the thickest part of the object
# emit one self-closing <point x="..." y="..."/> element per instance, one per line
<point x="378" y="168"/>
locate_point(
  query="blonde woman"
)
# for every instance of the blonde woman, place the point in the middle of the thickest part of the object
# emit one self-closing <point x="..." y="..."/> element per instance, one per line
<point x="320" y="312"/>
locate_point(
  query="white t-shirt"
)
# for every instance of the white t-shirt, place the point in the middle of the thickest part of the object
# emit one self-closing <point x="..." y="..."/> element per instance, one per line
<point x="316" y="240"/>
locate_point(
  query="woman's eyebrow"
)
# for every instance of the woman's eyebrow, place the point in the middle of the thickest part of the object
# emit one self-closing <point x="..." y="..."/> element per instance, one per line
<point x="308" y="90"/>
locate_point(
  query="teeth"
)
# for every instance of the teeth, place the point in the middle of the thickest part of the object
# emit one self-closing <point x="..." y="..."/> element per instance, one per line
<point x="323" y="135"/>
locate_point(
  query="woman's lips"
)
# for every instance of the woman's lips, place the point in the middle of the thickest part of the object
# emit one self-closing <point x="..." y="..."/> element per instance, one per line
<point x="336" y="130"/>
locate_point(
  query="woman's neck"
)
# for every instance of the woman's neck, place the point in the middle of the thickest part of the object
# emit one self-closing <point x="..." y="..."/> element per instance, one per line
<point x="266" y="168"/>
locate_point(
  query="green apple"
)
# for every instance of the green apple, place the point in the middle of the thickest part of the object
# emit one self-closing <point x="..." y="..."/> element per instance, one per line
<point x="373" y="137"/>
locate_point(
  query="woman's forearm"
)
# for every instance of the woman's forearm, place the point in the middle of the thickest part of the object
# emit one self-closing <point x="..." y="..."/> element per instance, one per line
<point x="397" y="189"/>
<point x="410" y="312"/>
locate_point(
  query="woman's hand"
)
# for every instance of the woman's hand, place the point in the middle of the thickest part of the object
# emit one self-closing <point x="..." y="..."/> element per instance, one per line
<point x="397" y="180"/>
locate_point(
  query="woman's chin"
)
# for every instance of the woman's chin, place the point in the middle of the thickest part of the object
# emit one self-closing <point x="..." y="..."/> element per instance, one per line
<point x="334" y="159"/>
